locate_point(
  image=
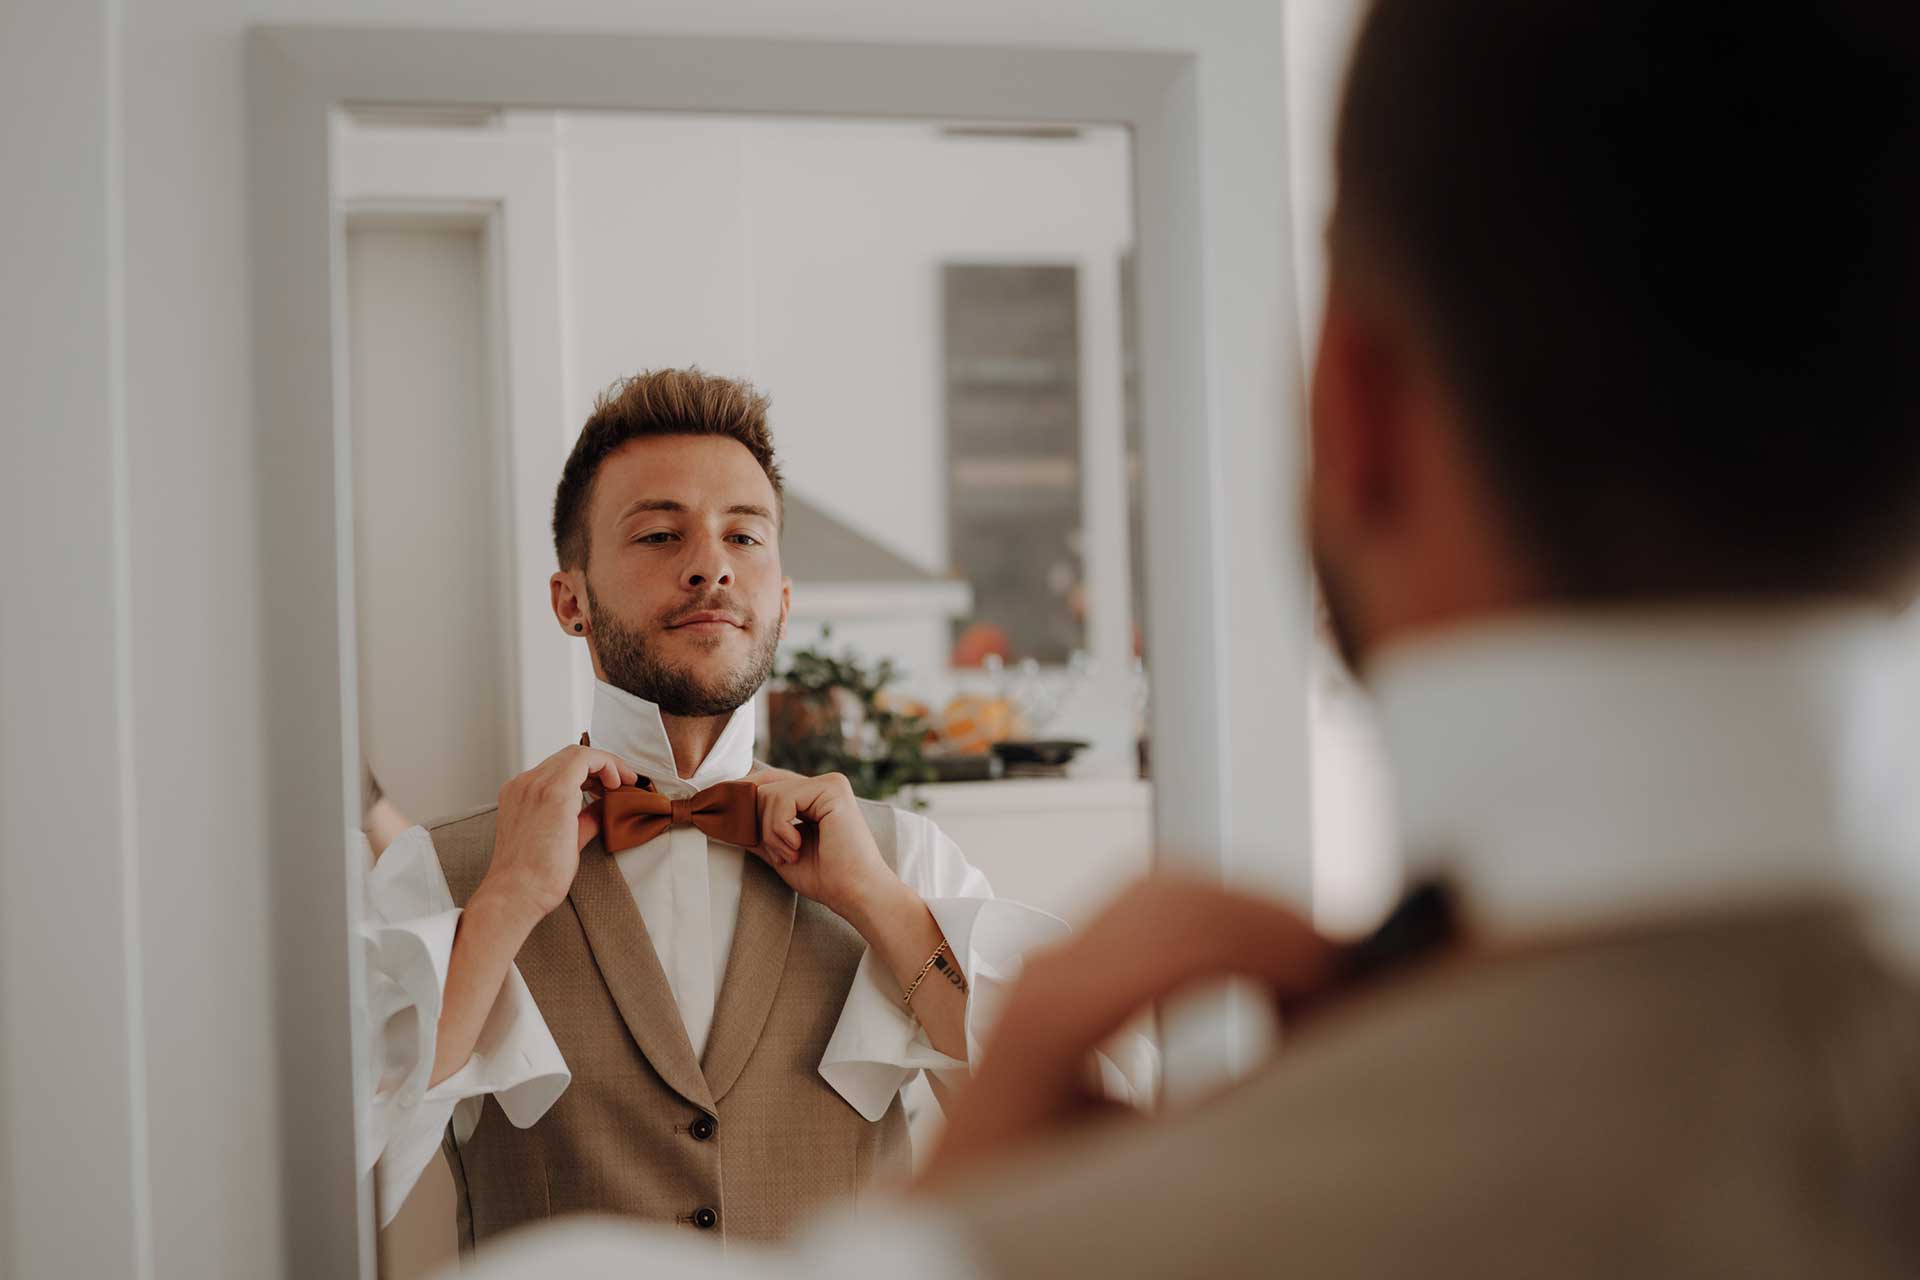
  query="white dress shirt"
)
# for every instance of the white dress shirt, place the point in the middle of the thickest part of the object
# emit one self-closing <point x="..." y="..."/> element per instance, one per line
<point x="1566" y="772"/>
<point x="1573" y="771"/>
<point x="687" y="888"/>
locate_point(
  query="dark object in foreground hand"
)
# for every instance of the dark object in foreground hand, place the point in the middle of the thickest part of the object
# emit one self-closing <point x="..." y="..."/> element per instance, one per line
<point x="1425" y="925"/>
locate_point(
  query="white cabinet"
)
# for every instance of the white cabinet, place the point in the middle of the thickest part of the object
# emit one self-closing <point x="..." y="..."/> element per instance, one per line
<point x="1064" y="845"/>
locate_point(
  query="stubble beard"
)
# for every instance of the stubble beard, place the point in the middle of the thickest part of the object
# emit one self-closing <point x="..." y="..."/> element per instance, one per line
<point x="630" y="661"/>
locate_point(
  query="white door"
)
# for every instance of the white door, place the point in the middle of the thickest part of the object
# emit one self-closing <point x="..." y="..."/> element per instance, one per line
<point x="432" y="553"/>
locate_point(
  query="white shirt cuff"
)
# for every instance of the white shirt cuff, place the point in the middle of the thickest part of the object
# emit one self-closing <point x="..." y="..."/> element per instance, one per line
<point x="877" y="1046"/>
<point x="407" y="933"/>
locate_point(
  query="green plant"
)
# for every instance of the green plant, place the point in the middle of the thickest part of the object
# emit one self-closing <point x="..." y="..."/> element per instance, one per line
<point x="828" y="716"/>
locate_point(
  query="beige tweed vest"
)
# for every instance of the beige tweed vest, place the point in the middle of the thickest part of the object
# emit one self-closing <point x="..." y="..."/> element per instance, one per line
<point x="741" y="1143"/>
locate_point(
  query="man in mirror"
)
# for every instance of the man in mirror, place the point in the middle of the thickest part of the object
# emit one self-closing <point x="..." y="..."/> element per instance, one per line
<point x="659" y="979"/>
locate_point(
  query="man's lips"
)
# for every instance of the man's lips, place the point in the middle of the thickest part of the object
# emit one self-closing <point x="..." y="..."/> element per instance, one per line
<point x="704" y="621"/>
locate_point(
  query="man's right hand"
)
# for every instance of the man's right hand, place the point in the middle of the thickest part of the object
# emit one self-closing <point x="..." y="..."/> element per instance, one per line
<point x="537" y="838"/>
<point x="1165" y="935"/>
<point x="541" y="829"/>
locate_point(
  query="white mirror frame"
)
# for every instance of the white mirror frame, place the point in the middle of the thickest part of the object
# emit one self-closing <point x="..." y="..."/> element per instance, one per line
<point x="298" y="79"/>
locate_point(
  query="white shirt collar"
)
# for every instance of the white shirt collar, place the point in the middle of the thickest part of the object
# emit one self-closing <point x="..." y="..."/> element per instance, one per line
<point x="631" y="728"/>
<point x="1569" y="769"/>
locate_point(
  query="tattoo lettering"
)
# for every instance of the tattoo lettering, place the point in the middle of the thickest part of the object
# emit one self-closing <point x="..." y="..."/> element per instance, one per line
<point x="951" y="972"/>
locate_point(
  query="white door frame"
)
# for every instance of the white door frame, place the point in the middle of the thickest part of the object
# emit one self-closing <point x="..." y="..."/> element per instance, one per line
<point x="299" y="79"/>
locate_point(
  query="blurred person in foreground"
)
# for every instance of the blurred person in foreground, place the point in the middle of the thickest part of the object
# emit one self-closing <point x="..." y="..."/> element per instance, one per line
<point x="1615" y="495"/>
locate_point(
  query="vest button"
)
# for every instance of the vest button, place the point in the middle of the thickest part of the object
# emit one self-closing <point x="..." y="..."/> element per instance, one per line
<point x="702" y="1128"/>
<point x="704" y="1218"/>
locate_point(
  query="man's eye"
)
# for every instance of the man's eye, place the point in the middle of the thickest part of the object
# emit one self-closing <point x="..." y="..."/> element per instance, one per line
<point x="654" y="537"/>
<point x="745" y="539"/>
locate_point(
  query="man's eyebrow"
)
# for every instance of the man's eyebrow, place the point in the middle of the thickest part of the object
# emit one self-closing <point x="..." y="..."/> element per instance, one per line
<point x="640" y="505"/>
<point x="650" y="504"/>
<point x="748" y="509"/>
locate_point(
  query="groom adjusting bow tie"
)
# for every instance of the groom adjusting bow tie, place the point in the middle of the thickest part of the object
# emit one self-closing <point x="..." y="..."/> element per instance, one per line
<point x="656" y="979"/>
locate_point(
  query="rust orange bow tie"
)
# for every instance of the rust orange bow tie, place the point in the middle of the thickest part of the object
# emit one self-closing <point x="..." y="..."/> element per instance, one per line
<point x="726" y="812"/>
<point x="630" y="816"/>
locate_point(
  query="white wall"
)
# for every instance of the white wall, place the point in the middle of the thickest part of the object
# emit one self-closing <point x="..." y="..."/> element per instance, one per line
<point x="73" y="1175"/>
<point x="1320" y="36"/>
<point x="176" y="89"/>
<point x="854" y="224"/>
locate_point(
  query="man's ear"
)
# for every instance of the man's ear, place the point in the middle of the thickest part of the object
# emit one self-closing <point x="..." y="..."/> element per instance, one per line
<point x="786" y="604"/>
<point x="567" y="591"/>
<point x="1358" y="403"/>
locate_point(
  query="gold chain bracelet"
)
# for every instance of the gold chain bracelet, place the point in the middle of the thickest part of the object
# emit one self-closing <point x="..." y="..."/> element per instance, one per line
<point x="925" y="969"/>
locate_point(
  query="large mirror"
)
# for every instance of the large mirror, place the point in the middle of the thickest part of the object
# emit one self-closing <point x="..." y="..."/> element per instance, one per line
<point x="939" y="314"/>
<point x="750" y="445"/>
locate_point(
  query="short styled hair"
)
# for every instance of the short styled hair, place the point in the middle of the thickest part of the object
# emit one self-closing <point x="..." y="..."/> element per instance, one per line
<point x="1667" y="255"/>
<point x="660" y="402"/>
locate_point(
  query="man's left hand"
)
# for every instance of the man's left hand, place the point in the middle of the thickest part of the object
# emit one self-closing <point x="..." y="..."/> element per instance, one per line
<point x="830" y="855"/>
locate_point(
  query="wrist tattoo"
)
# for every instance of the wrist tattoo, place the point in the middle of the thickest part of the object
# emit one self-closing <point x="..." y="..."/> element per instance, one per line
<point x="951" y="972"/>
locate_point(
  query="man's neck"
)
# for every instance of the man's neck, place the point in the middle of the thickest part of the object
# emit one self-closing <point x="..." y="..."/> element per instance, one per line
<point x="692" y="739"/>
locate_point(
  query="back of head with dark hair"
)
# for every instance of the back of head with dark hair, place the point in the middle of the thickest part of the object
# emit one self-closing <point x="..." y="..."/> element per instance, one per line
<point x="661" y="402"/>
<point x="1668" y="257"/>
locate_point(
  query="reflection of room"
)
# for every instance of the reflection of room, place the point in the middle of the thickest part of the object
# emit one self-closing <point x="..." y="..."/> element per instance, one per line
<point x="936" y="315"/>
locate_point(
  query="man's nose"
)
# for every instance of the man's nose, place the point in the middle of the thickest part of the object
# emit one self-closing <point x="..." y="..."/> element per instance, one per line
<point x="706" y="567"/>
